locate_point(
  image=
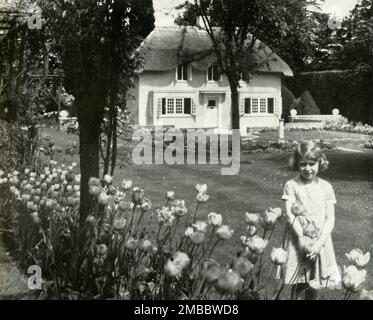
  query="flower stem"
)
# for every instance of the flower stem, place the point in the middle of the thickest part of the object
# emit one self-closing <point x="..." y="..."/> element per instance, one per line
<point x="213" y="247"/>
<point x="195" y="212"/>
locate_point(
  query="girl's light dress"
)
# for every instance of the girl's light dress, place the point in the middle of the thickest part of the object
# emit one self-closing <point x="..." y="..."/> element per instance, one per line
<point x="323" y="271"/>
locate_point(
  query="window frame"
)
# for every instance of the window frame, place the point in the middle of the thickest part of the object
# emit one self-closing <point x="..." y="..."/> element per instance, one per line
<point x="186" y="67"/>
<point x="165" y="106"/>
<point x="255" y="100"/>
<point x="220" y="75"/>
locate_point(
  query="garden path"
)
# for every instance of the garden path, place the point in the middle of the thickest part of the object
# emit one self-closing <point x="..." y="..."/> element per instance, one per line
<point x="13" y="285"/>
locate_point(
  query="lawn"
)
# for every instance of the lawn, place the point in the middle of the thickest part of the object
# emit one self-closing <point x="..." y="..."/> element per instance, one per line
<point x="259" y="185"/>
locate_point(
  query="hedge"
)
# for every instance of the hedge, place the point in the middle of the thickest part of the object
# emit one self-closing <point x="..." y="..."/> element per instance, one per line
<point x="348" y="90"/>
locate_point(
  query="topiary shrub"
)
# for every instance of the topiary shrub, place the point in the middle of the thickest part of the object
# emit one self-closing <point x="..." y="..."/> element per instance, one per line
<point x="307" y="106"/>
<point x="288" y="99"/>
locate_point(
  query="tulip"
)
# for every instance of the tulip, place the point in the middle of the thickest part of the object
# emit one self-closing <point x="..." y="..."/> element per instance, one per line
<point x="270" y="217"/>
<point x="201" y="188"/>
<point x="215" y="219"/>
<point x="306" y="244"/>
<point x="170" y="195"/>
<point x="358" y="258"/>
<point x="197" y="237"/>
<point x="181" y="258"/>
<point x="95" y="191"/>
<point x="119" y="224"/>
<point x="278" y="256"/>
<point x="1" y="173"/>
<point x="353" y="278"/>
<point x="224" y="232"/>
<point x="29" y="204"/>
<point x="107" y="179"/>
<point x="122" y="205"/>
<point x="188" y="232"/>
<point x="200" y="226"/>
<point x="145" y="245"/>
<point x="103" y="199"/>
<point x="78" y="178"/>
<point x="102" y="250"/>
<point x="165" y="215"/>
<point x="210" y="270"/>
<point x="26" y="197"/>
<point x="202" y="197"/>
<point x="311" y="231"/>
<point x="242" y="266"/>
<point x="298" y="209"/>
<point x="179" y="209"/>
<point x="35" y="217"/>
<point x="94" y="182"/>
<point x="172" y="269"/>
<point x="90" y="220"/>
<point x="146" y="205"/>
<point x="251" y="230"/>
<point x="256" y="244"/>
<point x="131" y="244"/>
<point x="251" y="218"/>
<point x="229" y="281"/>
<point x="137" y="196"/>
<point x="112" y="190"/>
<point x="126" y="184"/>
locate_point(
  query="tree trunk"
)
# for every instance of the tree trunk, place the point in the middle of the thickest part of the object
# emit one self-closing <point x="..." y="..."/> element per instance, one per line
<point x="115" y="141"/>
<point x="235" y="107"/>
<point x="90" y="112"/>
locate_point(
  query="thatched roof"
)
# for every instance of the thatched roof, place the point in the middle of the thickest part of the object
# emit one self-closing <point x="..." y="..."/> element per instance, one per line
<point x="166" y="47"/>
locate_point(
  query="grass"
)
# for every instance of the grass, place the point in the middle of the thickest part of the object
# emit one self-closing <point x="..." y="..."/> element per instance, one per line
<point x="259" y="185"/>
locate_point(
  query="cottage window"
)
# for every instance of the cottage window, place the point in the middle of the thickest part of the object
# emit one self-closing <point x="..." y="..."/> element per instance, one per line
<point x="177" y="106"/>
<point x="213" y="73"/>
<point x="182" y="73"/>
<point x="258" y="105"/>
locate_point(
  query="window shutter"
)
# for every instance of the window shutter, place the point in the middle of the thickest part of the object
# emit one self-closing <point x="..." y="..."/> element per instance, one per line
<point x="270" y="104"/>
<point x="179" y="72"/>
<point x="209" y="73"/>
<point x="248" y="105"/>
<point x="187" y="105"/>
<point x="242" y="106"/>
<point x="276" y="106"/>
<point x="193" y="108"/>
<point x="215" y="73"/>
<point x="161" y="106"/>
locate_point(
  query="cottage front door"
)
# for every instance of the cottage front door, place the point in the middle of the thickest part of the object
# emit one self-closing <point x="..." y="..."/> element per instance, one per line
<point x="211" y="112"/>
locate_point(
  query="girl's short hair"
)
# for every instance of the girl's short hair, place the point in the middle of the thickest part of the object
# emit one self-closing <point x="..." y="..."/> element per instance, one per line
<point x="309" y="150"/>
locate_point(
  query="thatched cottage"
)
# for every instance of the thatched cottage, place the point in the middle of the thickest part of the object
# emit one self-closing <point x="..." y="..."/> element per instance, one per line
<point x="179" y="84"/>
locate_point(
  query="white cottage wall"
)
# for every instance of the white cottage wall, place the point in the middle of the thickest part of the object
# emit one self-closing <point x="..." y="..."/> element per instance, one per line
<point x="157" y="84"/>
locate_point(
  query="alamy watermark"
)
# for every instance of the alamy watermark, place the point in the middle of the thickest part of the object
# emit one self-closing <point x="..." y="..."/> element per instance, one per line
<point x="34" y="282"/>
<point x="191" y="146"/>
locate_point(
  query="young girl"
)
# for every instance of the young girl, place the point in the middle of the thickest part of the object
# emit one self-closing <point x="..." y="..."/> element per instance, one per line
<point x="309" y="205"/>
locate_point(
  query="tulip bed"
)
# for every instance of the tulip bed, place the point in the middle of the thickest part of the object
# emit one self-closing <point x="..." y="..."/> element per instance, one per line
<point x="131" y="248"/>
<point x="128" y="250"/>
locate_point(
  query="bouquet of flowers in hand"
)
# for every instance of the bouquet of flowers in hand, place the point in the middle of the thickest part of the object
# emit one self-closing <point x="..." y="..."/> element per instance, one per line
<point x="311" y="232"/>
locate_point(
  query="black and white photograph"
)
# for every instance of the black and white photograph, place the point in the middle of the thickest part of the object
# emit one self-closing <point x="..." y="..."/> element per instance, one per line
<point x="186" y="155"/>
